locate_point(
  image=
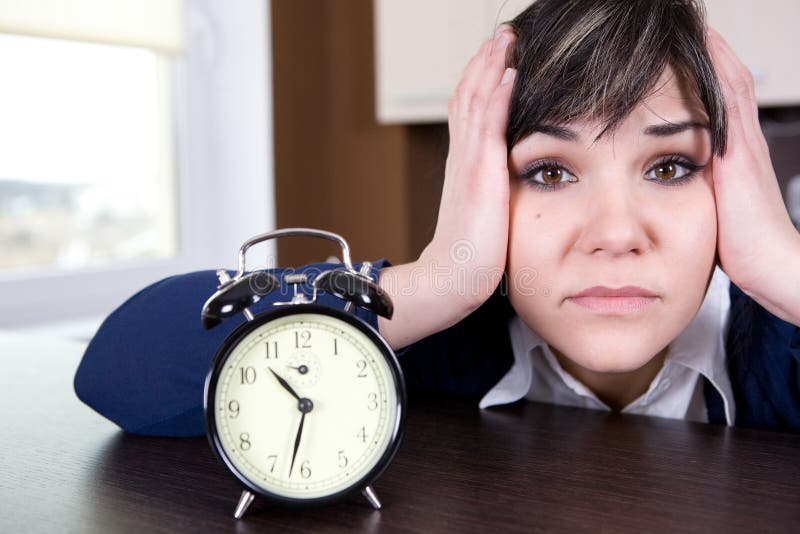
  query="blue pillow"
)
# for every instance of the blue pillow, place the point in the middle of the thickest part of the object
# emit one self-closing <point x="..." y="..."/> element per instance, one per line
<point x="145" y="368"/>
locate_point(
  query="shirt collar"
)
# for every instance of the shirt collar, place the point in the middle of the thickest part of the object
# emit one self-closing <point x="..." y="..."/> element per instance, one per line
<point x="694" y="348"/>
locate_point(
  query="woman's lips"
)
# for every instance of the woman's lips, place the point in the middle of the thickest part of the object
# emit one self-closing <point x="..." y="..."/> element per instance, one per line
<point x="602" y="299"/>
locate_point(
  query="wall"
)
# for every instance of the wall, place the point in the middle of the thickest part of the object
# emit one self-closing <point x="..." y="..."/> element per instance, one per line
<point x="335" y="167"/>
<point x="378" y="186"/>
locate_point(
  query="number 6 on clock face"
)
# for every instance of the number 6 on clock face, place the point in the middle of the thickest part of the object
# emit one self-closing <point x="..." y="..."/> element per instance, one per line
<point x="305" y="405"/>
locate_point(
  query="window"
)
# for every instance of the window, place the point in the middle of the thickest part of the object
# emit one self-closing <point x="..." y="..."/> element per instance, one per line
<point x="87" y="173"/>
<point x="134" y="157"/>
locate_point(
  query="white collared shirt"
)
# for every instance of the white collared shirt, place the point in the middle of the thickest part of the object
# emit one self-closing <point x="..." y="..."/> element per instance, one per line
<point x="676" y="391"/>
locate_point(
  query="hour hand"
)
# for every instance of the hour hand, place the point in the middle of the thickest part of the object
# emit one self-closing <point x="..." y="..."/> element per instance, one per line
<point x="285" y="384"/>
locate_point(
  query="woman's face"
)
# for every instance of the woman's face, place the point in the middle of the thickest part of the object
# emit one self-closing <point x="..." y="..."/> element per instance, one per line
<point x="632" y="209"/>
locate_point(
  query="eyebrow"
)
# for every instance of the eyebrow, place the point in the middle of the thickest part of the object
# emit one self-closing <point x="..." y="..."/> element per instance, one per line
<point x="557" y="131"/>
<point x="672" y="128"/>
<point x="657" y="130"/>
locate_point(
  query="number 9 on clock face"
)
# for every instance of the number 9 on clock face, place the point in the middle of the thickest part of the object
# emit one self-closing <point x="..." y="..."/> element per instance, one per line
<point x="305" y="406"/>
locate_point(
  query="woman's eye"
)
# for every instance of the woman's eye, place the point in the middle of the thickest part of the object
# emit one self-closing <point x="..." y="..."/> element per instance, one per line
<point x="551" y="175"/>
<point x="672" y="171"/>
<point x="547" y="175"/>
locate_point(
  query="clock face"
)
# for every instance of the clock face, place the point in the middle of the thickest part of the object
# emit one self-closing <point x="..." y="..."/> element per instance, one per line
<point x="305" y="405"/>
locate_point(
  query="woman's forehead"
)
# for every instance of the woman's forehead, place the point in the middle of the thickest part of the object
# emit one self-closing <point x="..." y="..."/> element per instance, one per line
<point x="671" y="108"/>
<point x="673" y="93"/>
<point x="673" y="100"/>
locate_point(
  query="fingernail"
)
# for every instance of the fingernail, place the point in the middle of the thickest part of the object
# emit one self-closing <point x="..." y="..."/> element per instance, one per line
<point x="502" y="40"/>
<point x="508" y="75"/>
<point x="503" y="28"/>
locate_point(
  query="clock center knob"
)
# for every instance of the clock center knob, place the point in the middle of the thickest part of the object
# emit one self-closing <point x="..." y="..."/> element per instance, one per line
<point x="305" y="405"/>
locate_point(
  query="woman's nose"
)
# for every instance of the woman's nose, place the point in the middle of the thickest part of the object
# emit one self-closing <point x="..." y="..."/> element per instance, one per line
<point x="615" y="225"/>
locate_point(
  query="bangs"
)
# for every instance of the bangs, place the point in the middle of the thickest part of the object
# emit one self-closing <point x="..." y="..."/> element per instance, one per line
<point x="596" y="60"/>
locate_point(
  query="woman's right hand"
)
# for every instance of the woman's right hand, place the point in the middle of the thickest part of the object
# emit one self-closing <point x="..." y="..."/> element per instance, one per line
<point x="464" y="262"/>
<point x="472" y="230"/>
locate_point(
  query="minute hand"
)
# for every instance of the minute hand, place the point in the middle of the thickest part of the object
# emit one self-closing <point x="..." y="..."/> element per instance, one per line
<point x="285" y="384"/>
<point x="297" y="442"/>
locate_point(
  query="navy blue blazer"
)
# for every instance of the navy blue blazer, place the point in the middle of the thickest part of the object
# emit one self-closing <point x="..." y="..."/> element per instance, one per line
<point x="146" y="366"/>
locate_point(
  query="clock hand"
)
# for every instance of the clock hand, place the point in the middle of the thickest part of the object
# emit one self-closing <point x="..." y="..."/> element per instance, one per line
<point x="297" y="442"/>
<point x="304" y="405"/>
<point x="285" y="384"/>
<point x="303" y="369"/>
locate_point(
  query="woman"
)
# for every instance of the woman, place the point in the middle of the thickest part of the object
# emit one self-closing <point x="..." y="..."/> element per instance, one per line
<point x="622" y="173"/>
<point x="606" y="157"/>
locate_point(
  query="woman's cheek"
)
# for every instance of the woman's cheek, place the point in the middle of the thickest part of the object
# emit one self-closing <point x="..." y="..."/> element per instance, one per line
<point x="689" y="224"/>
<point x="687" y="257"/>
<point x="536" y="235"/>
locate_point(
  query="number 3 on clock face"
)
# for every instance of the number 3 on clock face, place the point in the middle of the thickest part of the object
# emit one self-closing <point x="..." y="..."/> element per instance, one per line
<point x="307" y="404"/>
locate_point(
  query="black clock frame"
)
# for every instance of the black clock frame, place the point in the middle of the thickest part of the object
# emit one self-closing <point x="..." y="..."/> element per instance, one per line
<point x="232" y="341"/>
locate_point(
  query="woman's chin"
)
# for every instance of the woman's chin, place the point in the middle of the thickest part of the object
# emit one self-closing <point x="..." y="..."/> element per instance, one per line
<point x="615" y="356"/>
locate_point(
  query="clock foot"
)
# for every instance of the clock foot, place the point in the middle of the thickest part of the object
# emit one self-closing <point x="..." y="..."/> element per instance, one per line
<point x="244" y="503"/>
<point x="372" y="497"/>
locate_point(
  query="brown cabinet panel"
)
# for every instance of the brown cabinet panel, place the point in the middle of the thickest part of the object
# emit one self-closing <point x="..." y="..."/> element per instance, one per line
<point x="335" y="167"/>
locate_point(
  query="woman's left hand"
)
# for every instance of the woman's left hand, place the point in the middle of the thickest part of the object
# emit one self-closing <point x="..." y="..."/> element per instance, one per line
<point x="758" y="245"/>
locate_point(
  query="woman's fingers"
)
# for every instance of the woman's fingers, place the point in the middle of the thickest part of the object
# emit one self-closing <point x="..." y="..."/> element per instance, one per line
<point x="738" y="90"/>
<point x="458" y="106"/>
<point x="469" y="78"/>
<point x="470" y="98"/>
<point x="495" y="65"/>
<point x="492" y="131"/>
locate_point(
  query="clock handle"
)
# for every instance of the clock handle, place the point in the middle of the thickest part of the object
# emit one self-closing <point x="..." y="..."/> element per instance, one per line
<point x="292" y="232"/>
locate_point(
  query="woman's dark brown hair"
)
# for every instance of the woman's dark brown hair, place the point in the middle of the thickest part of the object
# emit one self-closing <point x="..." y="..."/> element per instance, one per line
<point x="598" y="59"/>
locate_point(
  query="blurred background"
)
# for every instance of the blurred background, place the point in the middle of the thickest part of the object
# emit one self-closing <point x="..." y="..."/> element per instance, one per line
<point x="143" y="138"/>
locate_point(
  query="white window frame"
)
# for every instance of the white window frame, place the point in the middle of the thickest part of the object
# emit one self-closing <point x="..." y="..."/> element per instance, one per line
<point x="222" y="105"/>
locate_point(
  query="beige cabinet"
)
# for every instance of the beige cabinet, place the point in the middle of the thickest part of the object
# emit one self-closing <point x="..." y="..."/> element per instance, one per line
<point x="421" y="47"/>
<point x="763" y="33"/>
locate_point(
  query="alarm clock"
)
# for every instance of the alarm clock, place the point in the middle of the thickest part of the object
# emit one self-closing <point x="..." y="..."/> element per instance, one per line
<point x="304" y="403"/>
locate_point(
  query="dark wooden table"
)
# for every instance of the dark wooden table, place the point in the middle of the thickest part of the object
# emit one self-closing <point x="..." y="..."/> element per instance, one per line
<point x="526" y="467"/>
